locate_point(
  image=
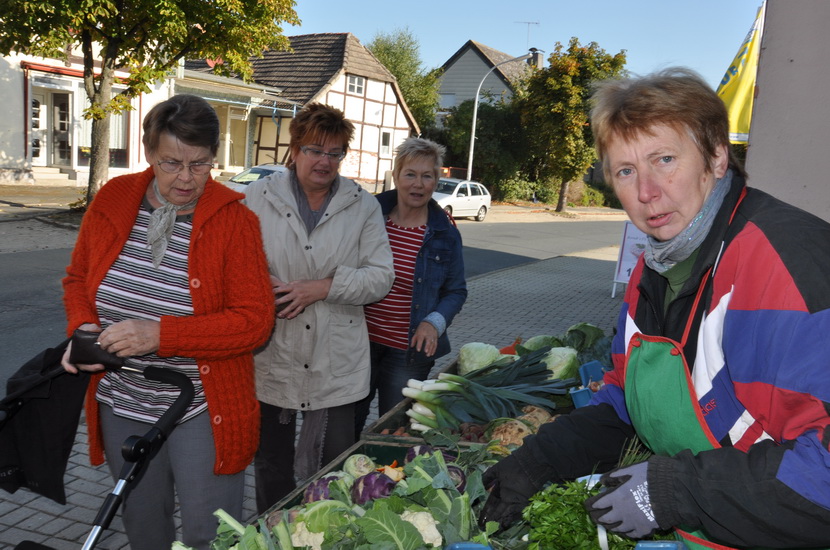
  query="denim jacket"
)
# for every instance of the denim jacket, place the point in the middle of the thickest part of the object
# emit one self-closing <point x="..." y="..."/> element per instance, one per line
<point x="439" y="284"/>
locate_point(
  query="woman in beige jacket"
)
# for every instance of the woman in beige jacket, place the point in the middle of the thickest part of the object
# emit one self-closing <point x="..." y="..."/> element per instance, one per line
<point x="328" y="255"/>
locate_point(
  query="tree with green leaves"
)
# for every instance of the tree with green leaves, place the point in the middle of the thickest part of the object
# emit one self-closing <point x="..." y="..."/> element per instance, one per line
<point x="500" y="140"/>
<point x="555" y="109"/>
<point x="143" y="38"/>
<point x="400" y="52"/>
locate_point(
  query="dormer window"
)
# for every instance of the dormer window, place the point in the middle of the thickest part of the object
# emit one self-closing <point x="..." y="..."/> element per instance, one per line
<point x="356" y="84"/>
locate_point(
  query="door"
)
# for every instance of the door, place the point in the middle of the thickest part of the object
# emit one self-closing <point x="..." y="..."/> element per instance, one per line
<point x="463" y="200"/>
<point x="61" y="130"/>
<point x="39" y="133"/>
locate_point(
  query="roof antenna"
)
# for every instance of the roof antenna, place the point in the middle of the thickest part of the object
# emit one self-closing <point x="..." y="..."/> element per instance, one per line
<point x="528" y="23"/>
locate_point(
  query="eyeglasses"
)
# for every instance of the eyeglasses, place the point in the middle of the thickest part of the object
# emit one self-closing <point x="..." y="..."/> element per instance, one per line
<point x="196" y="168"/>
<point x="317" y="154"/>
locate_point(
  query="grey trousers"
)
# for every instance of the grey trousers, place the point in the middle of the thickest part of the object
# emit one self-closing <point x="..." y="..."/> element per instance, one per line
<point x="184" y="468"/>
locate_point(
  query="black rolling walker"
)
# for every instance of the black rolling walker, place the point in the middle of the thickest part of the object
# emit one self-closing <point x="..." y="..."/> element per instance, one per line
<point x="136" y="450"/>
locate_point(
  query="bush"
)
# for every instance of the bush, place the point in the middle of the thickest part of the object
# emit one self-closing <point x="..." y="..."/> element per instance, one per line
<point x="548" y="192"/>
<point x="513" y="188"/>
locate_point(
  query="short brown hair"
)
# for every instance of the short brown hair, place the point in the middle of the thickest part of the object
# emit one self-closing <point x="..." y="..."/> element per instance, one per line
<point x="317" y="123"/>
<point x="675" y="97"/>
<point x="414" y="148"/>
<point x="189" y="118"/>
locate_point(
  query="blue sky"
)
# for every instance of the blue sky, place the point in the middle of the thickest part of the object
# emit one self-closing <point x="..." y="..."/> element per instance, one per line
<point x="703" y="35"/>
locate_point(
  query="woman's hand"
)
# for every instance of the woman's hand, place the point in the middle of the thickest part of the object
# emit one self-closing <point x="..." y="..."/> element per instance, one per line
<point x="425" y="339"/>
<point x="71" y="368"/>
<point x="131" y="337"/>
<point x="292" y="298"/>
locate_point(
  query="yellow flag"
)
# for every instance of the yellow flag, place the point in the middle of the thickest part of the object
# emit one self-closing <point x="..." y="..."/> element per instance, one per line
<point x="737" y="89"/>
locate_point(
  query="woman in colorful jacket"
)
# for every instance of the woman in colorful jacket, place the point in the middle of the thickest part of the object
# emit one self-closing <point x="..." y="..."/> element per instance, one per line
<point x="328" y="255"/>
<point x="170" y="265"/>
<point x="408" y="328"/>
<point x="721" y="352"/>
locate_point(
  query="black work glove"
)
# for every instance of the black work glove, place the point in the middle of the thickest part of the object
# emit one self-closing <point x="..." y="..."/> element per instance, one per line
<point x="510" y="486"/>
<point x="625" y="507"/>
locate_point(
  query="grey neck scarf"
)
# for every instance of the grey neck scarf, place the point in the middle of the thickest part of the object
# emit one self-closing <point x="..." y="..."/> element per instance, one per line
<point x="663" y="255"/>
<point x="162" y="220"/>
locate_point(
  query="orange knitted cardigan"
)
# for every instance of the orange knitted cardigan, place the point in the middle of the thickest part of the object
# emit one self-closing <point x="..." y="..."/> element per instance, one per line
<point x="232" y="303"/>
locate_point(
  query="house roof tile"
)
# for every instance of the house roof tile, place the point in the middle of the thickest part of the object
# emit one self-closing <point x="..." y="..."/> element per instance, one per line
<point x="315" y="61"/>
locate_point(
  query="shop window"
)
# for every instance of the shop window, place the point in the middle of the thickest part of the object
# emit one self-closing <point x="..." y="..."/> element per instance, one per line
<point x="118" y="155"/>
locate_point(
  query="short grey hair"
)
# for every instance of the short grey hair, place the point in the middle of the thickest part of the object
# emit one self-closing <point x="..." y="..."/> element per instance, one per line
<point x="414" y="148"/>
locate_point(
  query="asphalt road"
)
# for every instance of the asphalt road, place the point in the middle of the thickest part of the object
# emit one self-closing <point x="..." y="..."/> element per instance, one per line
<point x="31" y="309"/>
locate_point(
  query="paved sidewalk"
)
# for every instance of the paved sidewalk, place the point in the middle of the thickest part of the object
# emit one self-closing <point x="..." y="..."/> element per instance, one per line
<point x="544" y="297"/>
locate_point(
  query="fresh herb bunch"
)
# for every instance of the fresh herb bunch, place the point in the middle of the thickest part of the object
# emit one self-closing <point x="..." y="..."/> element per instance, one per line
<point x="558" y="519"/>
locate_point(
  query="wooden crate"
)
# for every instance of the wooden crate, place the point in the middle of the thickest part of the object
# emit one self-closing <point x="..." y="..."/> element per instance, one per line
<point x="397" y="417"/>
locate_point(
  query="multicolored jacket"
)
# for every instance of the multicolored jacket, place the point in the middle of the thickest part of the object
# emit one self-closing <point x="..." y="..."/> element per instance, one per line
<point x="759" y="351"/>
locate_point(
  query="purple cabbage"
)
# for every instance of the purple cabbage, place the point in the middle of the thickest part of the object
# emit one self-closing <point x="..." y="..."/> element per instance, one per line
<point x="371" y="486"/>
<point x="319" y="488"/>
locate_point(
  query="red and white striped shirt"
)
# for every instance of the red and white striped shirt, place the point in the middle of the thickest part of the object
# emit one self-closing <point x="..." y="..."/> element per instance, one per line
<point x="388" y="319"/>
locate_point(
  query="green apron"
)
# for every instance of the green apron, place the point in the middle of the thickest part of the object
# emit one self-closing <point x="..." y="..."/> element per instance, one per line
<point x="663" y="408"/>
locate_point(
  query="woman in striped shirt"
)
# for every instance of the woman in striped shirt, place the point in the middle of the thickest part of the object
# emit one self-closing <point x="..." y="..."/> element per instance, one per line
<point x="171" y="266"/>
<point x="408" y="328"/>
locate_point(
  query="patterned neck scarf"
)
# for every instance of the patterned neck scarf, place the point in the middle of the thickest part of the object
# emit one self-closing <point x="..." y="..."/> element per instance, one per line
<point x="162" y="220"/>
<point x="663" y="255"/>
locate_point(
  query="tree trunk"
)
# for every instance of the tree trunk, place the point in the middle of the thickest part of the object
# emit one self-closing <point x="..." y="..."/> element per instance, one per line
<point x="99" y="161"/>
<point x="99" y="97"/>
<point x="563" y="197"/>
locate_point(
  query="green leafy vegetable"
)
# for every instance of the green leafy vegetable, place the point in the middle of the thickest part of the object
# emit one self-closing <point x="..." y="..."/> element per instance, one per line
<point x="476" y="355"/>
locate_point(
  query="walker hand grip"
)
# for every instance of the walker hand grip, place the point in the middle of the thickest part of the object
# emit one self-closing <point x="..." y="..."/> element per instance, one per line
<point x="168" y="420"/>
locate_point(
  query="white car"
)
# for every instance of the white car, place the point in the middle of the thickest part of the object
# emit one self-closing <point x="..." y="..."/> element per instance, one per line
<point x="240" y="181"/>
<point x="460" y="198"/>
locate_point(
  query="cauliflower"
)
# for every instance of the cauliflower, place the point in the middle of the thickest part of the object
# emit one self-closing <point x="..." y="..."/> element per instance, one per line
<point x="301" y="537"/>
<point x="426" y="525"/>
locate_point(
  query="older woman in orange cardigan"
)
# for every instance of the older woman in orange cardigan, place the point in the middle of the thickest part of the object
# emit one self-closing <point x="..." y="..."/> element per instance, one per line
<point x="170" y="267"/>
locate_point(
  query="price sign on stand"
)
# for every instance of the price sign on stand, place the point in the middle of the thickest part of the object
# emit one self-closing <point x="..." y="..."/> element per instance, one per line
<point x="631" y="248"/>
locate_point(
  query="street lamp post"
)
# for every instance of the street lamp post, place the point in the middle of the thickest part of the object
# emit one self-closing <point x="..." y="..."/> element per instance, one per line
<point x="475" y="107"/>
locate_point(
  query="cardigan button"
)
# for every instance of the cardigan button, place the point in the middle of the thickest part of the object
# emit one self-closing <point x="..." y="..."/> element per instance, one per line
<point x="217" y="419"/>
<point x="195" y="282"/>
<point x="204" y="369"/>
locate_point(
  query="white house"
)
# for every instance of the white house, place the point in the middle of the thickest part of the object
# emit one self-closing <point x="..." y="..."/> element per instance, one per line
<point x="45" y="132"/>
<point x="337" y="70"/>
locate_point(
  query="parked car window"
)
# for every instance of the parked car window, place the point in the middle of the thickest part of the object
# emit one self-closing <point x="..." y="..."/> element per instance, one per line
<point x="446" y="187"/>
<point x="475" y="190"/>
<point x="462" y="191"/>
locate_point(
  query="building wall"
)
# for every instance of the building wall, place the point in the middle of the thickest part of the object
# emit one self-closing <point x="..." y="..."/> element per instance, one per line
<point x="380" y="126"/>
<point x="789" y="134"/>
<point x="13" y="164"/>
<point x="57" y="87"/>
<point x="460" y="81"/>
